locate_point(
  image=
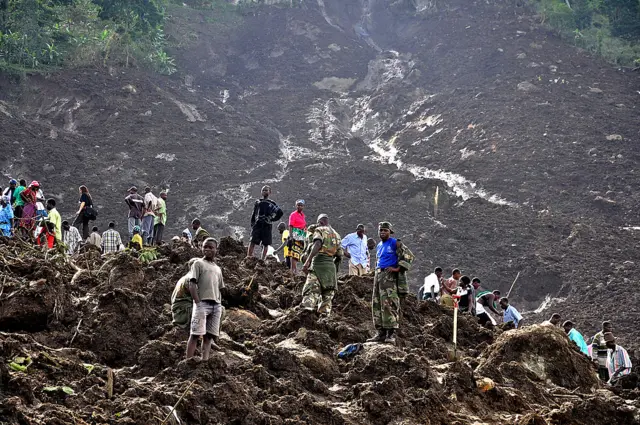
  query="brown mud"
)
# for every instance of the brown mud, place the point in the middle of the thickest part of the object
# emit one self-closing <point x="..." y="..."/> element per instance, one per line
<point x="561" y="148"/>
<point x="277" y="364"/>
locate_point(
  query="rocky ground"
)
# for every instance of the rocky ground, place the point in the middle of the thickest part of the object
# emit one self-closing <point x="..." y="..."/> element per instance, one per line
<point x="364" y="108"/>
<point x="90" y="341"/>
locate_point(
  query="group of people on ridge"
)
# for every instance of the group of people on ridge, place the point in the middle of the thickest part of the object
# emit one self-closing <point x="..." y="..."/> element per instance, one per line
<point x="25" y="213"/>
<point x="196" y="300"/>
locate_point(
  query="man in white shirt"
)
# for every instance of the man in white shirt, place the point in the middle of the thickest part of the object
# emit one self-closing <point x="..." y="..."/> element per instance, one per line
<point x="431" y="288"/>
<point x="356" y="250"/>
<point x="149" y="216"/>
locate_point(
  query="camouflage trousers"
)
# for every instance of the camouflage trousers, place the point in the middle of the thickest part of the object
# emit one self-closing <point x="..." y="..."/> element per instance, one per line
<point x="386" y="303"/>
<point x="315" y="297"/>
<point x="403" y="284"/>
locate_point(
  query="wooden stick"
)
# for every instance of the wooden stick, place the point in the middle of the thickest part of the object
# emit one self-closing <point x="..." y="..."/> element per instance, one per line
<point x="514" y="282"/>
<point x="109" y="383"/>
<point x="178" y="402"/>
<point x="76" y="332"/>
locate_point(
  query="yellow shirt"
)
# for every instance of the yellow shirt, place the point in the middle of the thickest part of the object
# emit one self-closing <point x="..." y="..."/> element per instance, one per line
<point x="285" y="236"/>
<point x="54" y="217"/>
<point x="137" y="239"/>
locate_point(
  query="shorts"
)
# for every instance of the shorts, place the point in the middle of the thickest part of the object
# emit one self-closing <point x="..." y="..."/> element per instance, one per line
<point x="261" y="234"/>
<point x="206" y="318"/>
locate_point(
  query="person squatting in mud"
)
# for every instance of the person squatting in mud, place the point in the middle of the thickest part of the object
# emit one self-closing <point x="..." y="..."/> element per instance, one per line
<point x="205" y="285"/>
<point x="321" y="267"/>
<point x="392" y="259"/>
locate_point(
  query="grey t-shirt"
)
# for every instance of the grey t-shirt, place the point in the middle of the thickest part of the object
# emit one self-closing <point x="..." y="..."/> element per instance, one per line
<point x="209" y="277"/>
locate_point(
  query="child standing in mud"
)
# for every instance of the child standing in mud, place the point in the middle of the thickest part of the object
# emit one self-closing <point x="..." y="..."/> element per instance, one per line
<point x="205" y="285"/>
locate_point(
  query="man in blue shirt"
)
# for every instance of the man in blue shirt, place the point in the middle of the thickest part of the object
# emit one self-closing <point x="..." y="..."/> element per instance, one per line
<point x="386" y="302"/>
<point x="355" y="249"/>
<point x="510" y="313"/>
<point x="575" y="336"/>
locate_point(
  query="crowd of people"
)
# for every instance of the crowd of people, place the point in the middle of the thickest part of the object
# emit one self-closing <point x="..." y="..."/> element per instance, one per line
<point x="196" y="300"/>
<point x="469" y="296"/>
<point x="25" y="213"/>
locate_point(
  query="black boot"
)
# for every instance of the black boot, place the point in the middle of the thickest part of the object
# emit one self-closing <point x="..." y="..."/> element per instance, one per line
<point x="380" y="337"/>
<point x="391" y="338"/>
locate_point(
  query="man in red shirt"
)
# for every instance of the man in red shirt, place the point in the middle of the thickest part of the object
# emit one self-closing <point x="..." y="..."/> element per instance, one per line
<point x="449" y="288"/>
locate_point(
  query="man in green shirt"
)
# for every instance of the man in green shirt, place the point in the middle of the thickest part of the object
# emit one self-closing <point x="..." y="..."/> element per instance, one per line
<point x="161" y="218"/>
<point x="18" y="204"/>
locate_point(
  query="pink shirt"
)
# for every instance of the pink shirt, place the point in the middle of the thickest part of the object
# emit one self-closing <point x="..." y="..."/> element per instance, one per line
<point x="297" y="220"/>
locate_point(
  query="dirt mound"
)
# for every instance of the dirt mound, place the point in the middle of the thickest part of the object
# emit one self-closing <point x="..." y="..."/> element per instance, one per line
<point x="538" y="356"/>
<point x="231" y="247"/>
<point x="277" y="364"/>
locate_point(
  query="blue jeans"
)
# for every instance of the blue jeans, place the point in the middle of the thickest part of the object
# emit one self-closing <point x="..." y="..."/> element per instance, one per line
<point x="132" y="223"/>
<point x="147" y="229"/>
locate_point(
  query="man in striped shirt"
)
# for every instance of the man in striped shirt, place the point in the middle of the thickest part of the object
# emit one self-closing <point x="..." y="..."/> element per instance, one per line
<point x="618" y="361"/>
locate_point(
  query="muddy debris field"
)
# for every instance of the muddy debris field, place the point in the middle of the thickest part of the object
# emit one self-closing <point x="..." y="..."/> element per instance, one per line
<point x="90" y="341"/>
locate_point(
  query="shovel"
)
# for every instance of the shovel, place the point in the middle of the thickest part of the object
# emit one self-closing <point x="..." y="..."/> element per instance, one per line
<point x="453" y="354"/>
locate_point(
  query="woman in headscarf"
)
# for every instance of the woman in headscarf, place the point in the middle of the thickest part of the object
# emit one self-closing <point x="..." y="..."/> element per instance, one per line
<point x="297" y="233"/>
<point x="28" y="219"/>
<point x="6" y="216"/>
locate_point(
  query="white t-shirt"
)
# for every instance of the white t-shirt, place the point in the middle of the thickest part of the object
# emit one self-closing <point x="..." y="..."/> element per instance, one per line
<point x="150" y="198"/>
<point x="429" y="281"/>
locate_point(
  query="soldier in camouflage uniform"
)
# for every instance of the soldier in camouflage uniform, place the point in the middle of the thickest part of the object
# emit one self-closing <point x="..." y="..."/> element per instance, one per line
<point x="392" y="258"/>
<point x="320" y="266"/>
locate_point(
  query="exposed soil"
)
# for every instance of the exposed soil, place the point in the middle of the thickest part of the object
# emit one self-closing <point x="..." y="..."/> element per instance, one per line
<point x="543" y="179"/>
<point x="277" y="364"/>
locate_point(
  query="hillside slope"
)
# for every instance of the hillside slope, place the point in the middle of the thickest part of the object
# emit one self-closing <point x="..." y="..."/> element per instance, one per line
<point x="363" y="108"/>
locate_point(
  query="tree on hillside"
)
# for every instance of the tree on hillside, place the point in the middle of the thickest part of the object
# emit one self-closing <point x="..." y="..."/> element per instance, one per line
<point x="150" y="13"/>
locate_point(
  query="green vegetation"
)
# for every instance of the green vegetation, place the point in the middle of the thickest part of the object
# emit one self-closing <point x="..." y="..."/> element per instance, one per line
<point x="47" y="34"/>
<point x="609" y="28"/>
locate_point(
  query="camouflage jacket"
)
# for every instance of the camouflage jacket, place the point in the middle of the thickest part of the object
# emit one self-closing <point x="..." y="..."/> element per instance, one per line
<point x="405" y="257"/>
<point x="330" y="241"/>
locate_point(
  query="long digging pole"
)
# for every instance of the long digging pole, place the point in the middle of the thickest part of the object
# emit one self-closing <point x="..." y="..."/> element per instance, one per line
<point x="512" y="285"/>
<point x="455" y="326"/>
